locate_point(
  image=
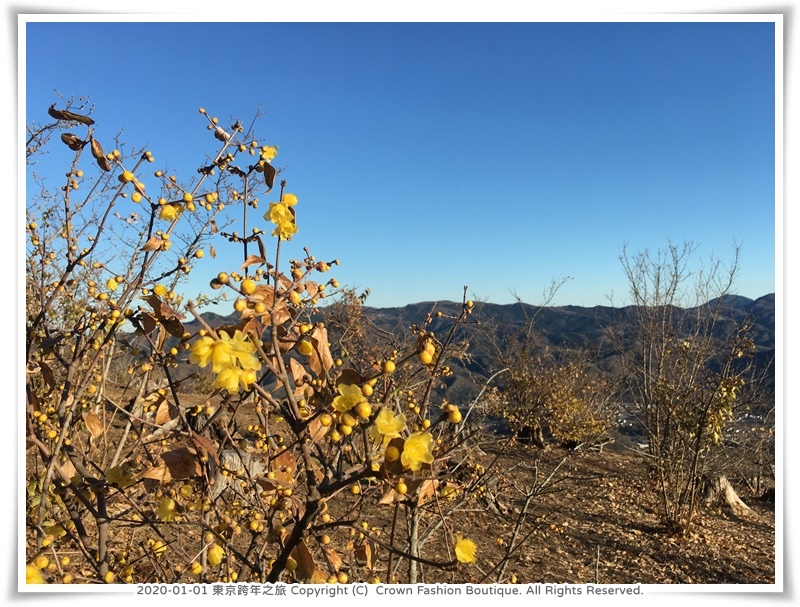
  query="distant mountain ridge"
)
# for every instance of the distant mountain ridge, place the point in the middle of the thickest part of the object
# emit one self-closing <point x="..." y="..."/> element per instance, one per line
<point x="557" y="326"/>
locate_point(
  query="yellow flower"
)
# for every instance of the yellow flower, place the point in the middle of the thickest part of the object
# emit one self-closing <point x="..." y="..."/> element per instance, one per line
<point x="32" y="575"/>
<point x="166" y="509"/>
<point x="465" y="549"/>
<point x="160" y="290"/>
<point x="170" y="212"/>
<point x="349" y="397"/>
<point x="289" y="199"/>
<point x="283" y="218"/>
<point x="208" y="350"/>
<point x="387" y="426"/>
<point x="242" y="349"/>
<point x="233" y="359"/>
<point x="229" y="379"/>
<point x="417" y="450"/>
<point x="215" y="555"/>
<point x="268" y="152"/>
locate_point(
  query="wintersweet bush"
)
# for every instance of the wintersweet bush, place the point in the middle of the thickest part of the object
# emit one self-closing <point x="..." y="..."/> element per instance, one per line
<point x="299" y="437"/>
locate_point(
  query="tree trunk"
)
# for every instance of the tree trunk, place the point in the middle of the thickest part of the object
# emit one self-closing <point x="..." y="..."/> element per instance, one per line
<point x="719" y="489"/>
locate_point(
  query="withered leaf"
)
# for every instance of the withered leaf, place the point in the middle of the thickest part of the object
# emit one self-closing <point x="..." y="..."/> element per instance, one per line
<point x="48" y="375"/>
<point x="166" y="412"/>
<point x="269" y="175"/>
<point x="153" y="244"/>
<point x="146" y="321"/>
<point x="320" y="360"/>
<point x="261" y="250"/>
<point x="104" y="164"/>
<point x="312" y="288"/>
<point x="93" y="424"/>
<point x="212" y="251"/>
<point x="177" y="464"/>
<point x="67" y="115"/>
<point x="253" y="260"/>
<point x="364" y="554"/>
<point x="271" y="484"/>
<point x="333" y="558"/>
<point x="166" y="315"/>
<point x="349" y="377"/>
<point x="305" y="562"/>
<point x="297" y="370"/>
<point x="316" y="430"/>
<point x="205" y="446"/>
<point x="427" y="489"/>
<point x="284" y="467"/>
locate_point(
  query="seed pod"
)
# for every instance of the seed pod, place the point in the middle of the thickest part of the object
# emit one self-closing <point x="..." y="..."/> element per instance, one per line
<point x="74" y="142"/>
<point x="69" y="116"/>
<point x="97" y="152"/>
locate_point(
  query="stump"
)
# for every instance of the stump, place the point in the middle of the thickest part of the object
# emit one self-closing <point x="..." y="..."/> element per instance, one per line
<point x="719" y="489"/>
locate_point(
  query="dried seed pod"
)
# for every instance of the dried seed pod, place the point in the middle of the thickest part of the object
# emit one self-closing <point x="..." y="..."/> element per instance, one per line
<point x="69" y="116"/>
<point x="74" y="142"/>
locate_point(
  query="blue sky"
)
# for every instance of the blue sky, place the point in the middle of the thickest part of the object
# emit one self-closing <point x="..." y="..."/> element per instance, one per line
<point x="430" y="156"/>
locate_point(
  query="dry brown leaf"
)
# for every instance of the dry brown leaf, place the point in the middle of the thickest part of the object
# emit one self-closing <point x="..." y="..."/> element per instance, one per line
<point x="316" y="430"/>
<point x="271" y="484"/>
<point x="318" y="577"/>
<point x="93" y="424"/>
<point x="297" y="370"/>
<point x="312" y="288"/>
<point x="284" y="466"/>
<point x="364" y="554"/>
<point x="177" y="464"/>
<point x="212" y="251"/>
<point x="166" y="412"/>
<point x="169" y="318"/>
<point x="253" y="260"/>
<point x="320" y="360"/>
<point x="48" y="375"/>
<point x="305" y="562"/>
<point x="333" y="558"/>
<point x="427" y="489"/>
<point x="153" y="244"/>
<point x="349" y="377"/>
<point x="205" y="446"/>
<point x="390" y="496"/>
<point x="269" y="175"/>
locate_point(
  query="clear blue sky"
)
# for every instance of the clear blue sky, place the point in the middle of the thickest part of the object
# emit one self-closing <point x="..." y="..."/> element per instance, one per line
<point x="430" y="156"/>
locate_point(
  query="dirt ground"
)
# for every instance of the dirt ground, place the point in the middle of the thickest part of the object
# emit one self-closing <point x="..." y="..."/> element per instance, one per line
<point x="600" y="525"/>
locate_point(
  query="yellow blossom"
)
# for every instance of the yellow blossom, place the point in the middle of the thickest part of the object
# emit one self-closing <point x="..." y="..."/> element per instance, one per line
<point x="229" y="379"/>
<point x="417" y="450"/>
<point x="387" y="426"/>
<point x="166" y="509"/>
<point x="233" y="359"/>
<point x="170" y="212"/>
<point x="349" y="397"/>
<point x="283" y="218"/>
<point x="160" y="290"/>
<point x="268" y="152"/>
<point x="289" y="199"/>
<point x="242" y="349"/>
<point x="32" y="575"/>
<point x="465" y="549"/>
<point x="215" y="555"/>
<point x="208" y="350"/>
